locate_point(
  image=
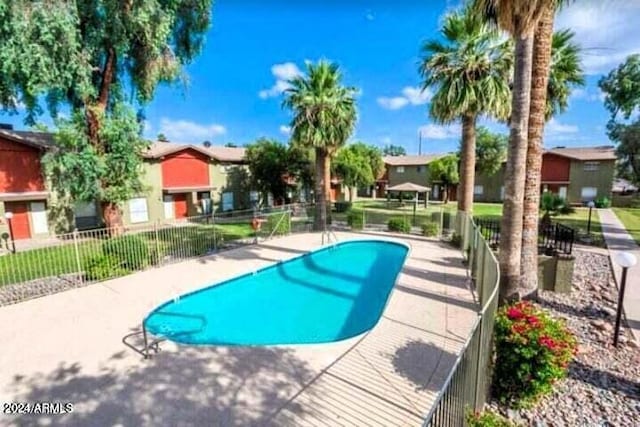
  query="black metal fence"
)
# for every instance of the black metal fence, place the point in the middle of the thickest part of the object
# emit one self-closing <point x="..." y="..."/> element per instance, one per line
<point x="552" y="238"/>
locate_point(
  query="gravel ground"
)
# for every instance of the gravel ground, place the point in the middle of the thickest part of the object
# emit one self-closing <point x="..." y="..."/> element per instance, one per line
<point x="603" y="384"/>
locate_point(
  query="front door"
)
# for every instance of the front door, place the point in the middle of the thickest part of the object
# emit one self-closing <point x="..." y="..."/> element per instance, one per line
<point x="180" y="205"/>
<point x="39" y="218"/>
<point x="169" y="209"/>
<point x="20" y="221"/>
<point x="562" y="192"/>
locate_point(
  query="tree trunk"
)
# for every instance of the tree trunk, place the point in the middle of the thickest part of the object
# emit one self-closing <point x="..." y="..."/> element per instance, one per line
<point x="320" y="218"/>
<point x="445" y="194"/>
<point x="511" y="226"/>
<point x="467" y="163"/>
<point x="327" y="185"/>
<point x="539" y="81"/>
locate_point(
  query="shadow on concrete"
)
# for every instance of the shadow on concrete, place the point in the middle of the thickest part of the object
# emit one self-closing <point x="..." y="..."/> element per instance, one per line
<point x="217" y="386"/>
<point x="419" y="361"/>
<point x="469" y="305"/>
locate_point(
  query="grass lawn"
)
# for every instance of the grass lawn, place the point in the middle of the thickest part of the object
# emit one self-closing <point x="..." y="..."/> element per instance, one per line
<point x="175" y="242"/>
<point x="630" y="217"/>
<point x="378" y="211"/>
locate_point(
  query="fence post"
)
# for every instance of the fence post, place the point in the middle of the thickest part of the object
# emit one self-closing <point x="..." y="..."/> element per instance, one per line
<point x="479" y="369"/>
<point x="364" y="223"/>
<point x="289" y="219"/>
<point x="155" y="234"/>
<point x="77" y="253"/>
<point x="441" y="221"/>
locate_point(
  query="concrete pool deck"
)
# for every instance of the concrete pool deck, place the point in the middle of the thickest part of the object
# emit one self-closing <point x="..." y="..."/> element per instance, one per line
<point x="68" y="347"/>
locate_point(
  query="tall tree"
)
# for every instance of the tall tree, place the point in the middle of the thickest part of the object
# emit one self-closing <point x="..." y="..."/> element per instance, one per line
<point x="87" y="54"/>
<point x="621" y="88"/>
<point x="469" y="70"/>
<point x="491" y="151"/>
<point x="445" y="171"/>
<point x="324" y="118"/>
<point x="268" y="164"/>
<point x="394" y="150"/>
<point x="358" y="165"/>
<point x="519" y="19"/>
<point x="556" y="71"/>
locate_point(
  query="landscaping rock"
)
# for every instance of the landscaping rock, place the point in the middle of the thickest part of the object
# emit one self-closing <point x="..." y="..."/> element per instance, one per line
<point x="12" y="294"/>
<point x="603" y="384"/>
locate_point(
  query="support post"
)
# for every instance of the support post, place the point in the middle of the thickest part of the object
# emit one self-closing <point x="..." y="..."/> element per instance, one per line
<point x="76" y="250"/>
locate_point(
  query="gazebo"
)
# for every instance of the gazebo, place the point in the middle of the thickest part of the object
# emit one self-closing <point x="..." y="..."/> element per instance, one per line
<point x="410" y="187"/>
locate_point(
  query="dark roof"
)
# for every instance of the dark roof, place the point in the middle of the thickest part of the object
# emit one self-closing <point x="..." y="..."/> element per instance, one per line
<point x="41" y="140"/>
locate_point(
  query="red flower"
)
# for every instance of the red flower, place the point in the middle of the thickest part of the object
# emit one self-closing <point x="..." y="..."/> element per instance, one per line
<point x="545" y="341"/>
<point x="533" y="321"/>
<point x="514" y="313"/>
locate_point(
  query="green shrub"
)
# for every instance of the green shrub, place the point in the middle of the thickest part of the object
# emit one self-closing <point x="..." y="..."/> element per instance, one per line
<point x="551" y="202"/>
<point x="101" y="267"/>
<point x="533" y="350"/>
<point x="355" y="219"/>
<point x="487" y="419"/>
<point x="342" y="207"/>
<point x="566" y="209"/>
<point x="130" y="252"/>
<point x="602" y="202"/>
<point x="401" y="225"/>
<point x="278" y="224"/>
<point x="430" y="229"/>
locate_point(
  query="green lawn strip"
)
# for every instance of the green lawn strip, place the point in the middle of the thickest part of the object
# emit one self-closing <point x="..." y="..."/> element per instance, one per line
<point x="630" y="218"/>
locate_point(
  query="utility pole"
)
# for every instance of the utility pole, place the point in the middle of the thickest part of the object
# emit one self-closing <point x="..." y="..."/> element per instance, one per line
<point x="419" y="142"/>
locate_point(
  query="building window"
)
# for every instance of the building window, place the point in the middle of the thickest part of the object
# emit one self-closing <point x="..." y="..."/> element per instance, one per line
<point x="420" y="169"/>
<point x="204" y="195"/>
<point x="478" y="190"/>
<point x="591" y="166"/>
<point x="588" y="193"/>
<point x="502" y="193"/>
<point x="400" y="169"/>
<point x="138" y="210"/>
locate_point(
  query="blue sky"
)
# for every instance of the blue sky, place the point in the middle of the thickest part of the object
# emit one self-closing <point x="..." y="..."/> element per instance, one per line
<point x="234" y="88"/>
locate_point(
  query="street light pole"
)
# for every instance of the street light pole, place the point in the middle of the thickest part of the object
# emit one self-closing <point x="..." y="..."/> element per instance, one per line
<point x="625" y="260"/>
<point x="591" y="205"/>
<point x="9" y="217"/>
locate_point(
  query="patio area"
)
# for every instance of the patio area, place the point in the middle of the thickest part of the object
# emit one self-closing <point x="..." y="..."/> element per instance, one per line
<point x="70" y="347"/>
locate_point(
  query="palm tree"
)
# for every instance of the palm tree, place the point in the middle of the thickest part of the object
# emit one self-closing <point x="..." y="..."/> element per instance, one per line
<point x="470" y="71"/>
<point x="519" y="18"/>
<point x="555" y="72"/>
<point x="324" y="118"/>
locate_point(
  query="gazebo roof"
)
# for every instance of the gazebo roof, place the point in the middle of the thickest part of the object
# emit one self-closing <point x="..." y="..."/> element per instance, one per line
<point x="409" y="186"/>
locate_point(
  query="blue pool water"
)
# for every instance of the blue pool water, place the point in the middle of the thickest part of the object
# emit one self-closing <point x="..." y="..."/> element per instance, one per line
<point x="327" y="295"/>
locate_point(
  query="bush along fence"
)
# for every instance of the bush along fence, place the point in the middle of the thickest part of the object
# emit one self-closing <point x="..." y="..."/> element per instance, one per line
<point x="79" y="258"/>
<point x="430" y="222"/>
<point x="466" y="389"/>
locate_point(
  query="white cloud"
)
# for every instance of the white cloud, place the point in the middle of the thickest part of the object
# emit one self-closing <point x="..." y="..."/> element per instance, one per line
<point x="553" y="127"/>
<point x="432" y="131"/>
<point x="369" y="16"/>
<point x="410" y="96"/>
<point x="392" y="103"/>
<point x="416" y="95"/>
<point x="285" y="130"/>
<point x="188" y="131"/>
<point x="604" y="29"/>
<point x="587" y="95"/>
<point x="282" y="73"/>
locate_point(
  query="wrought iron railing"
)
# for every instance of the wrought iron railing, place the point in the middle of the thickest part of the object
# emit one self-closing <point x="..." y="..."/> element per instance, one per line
<point x="90" y="256"/>
<point x="467" y="386"/>
<point x="552" y="238"/>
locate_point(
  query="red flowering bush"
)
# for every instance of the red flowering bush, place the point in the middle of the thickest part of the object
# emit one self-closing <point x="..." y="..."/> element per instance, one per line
<point x="533" y="350"/>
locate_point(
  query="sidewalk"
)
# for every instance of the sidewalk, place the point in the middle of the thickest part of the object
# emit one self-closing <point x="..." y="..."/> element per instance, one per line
<point x="619" y="240"/>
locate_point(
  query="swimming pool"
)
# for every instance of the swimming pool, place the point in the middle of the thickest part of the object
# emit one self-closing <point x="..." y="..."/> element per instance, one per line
<point x="327" y="295"/>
